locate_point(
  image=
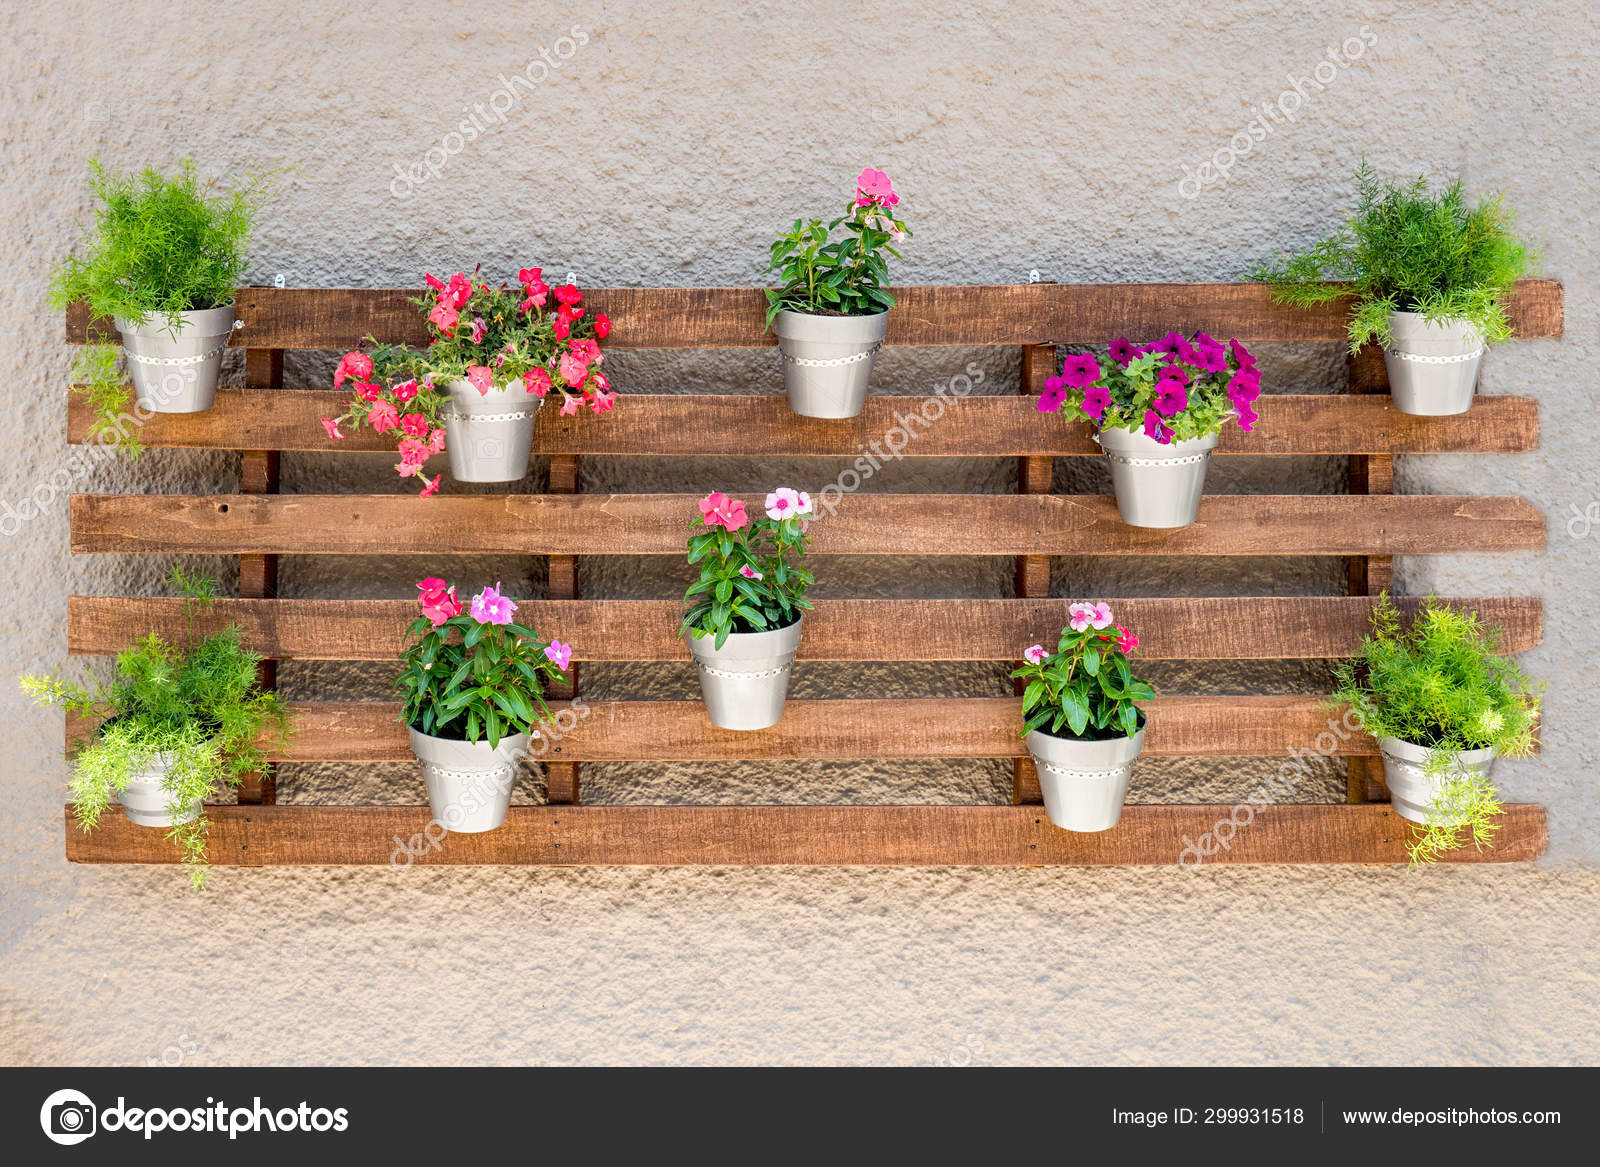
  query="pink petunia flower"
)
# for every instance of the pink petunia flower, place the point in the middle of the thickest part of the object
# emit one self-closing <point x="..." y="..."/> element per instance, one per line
<point x="602" y="402"/>
<point x="1171" y="398"/>
<point x="357" y="365"/>
<point x="529" y="276"/>
<point x="367" y="391"/>
<point x="537" y="382"/>
<point x="1080" y="370"/>
<point x="332" y="427"/>
<point x="1175" y="373"/>
<point x="436" y="442"/>
<point x="1241" y="355"/>
<point x="573" y="370"/>
<point x="602" y="325"/>
<point x="383" y="416"/>
<point x="873" y="188"/>
<point x="406" y="390"/>
<point x="1244" y="387"/>
<point x="1154" y="428"/>
<point x="1034" y="654"/>
<point x="1126" y="641"/>
<point x="479" y="327"/>
<point x="569" y="405"/>
<point x="1247" y="416"/>
<point x="444" y="317"/>
<point x="558" y="654"/>
<point x="561" y="328"/>
<point x="1052" y="396"/>
<point x="480" y="379"/>
<point x="431" y="488"/>
<point x="568" y="294"/>
<point x="783" y="503"/>
<point x="458" y="292"/>
<point x="587" y="351"/>
<point x="415" y="425"/>
<point x="750" y="573"/>
<point x="1096" y="400"/>
<point x="490" y="607"/>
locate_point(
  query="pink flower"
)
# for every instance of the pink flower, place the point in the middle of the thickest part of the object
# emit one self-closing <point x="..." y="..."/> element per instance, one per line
<point x="537" y="382"/>
<point x="1083" y="615"/>
<point x="1154" y="428"/>
<point x="750" y="573"/>
<point x="415" y="425"/>
<point x="1034" y="654"/>
<point x="1080" y="370"/>
<point x="1241" y="355"/>
<point x="569" y="404"/>
<point x="444" y="317"/>
<point x="458" y="292"/>
<point x="601" y="382"/>
<point x="1096" y="400"/>
<point x="1102" y="615"/>
<point x="1174" y="345"/>
<point x="1244" y="387"/>
<point x="333" y="429"/>
<point x="1171" y="398"/>
<point x="1213" y="357"/>
<point x="874" y="188"/>
<point x="718" y="510"/>
<point x="357" y="365"/>
<point x="573" y="370"/>
<point x="1126" y="641"/>
<point x="406" y="390"/>
<point x="587" y="351"/>
<point x="529" y="276"/>
<point x="1122" y="350"/>
<point x="558" y="654"/>
<point x="436" y="442"/>
<point x="490" y="607"/>
<point x="784" y="503"/>
<point x="439" y="603"/>
<point x="602" y="325"/>
<point x="479" y="327"/>
<point x="1052" y="395"/>
<point x="383" y="416"/>
<point x="436" y="284"/>
<point x="367" y="391"/>
<point x="481" y="379"/>
<point x="568" y="294"/>
<point x="1247" y="416"/>
<point x="561" y="328"/>
<point x="602" y="402"/>
<point x="431" y="488"/>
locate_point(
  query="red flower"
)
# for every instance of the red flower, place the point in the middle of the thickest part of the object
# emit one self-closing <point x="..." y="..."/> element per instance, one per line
<point x="569" y="294"/>
<point x="431" y="489"/>
<point x="415" y="425"/>
<point x="458" y="292"/>
<point x="445" y="317"/>
<point x="357" y="365"/>
<point x="602" y="325"/>
<point x="561" y="327"/>
<point x="536" y="381"/>
<point x="367" y="391"/>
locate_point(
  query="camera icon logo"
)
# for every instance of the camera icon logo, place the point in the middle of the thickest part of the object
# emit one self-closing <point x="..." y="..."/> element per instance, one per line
<point x="490" y="448"/>
<point x="68" y="1117"/>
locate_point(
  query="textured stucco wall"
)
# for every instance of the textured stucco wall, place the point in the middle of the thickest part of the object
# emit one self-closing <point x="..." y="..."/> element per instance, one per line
<point x="666" y="150"/>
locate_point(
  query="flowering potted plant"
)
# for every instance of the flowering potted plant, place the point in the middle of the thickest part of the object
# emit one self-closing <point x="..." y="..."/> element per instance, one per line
<point x="471" y="684"/>
<point x="1430" y="276"/>
<point x="742" y="617"/>
<point x="183" y="723"/>
<point x="1443" y="705"/>
<point x="166" y="258"/>
<point x="1160" y="409"/>
<point x="832" y="312"/>
<point x="495" y="356"/>
<point x="1080" y="721"/>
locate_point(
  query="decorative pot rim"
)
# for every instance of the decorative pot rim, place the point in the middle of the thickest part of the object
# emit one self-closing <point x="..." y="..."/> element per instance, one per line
<point x="155" y="326"/>
<point x="1415" y="754"/>
<point x="1136" y="439"/>
<point x="816" y="328"/>
<point x="751" y="645"/>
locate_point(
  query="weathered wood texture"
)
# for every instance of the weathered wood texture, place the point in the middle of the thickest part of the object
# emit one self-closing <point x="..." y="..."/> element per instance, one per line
<point x="258" y="574"/>
<point x="764" y="426"/>
<point x="1369" y="575"/>
<point x="865" y="524"/>
<point x="960" y="727"/>
<point x="669" y="318"/>
<point x="806" y="836"/>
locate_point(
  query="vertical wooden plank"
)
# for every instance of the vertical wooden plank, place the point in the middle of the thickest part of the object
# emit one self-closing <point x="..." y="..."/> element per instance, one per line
<point x="1033" y="571"/>
<point x="563" y="585"/>
<point x="258" y="574"/>
<point x="1369" y="574"/>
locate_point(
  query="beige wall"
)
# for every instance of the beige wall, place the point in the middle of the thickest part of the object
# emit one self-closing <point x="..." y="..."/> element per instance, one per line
<point x="667" y="149"/>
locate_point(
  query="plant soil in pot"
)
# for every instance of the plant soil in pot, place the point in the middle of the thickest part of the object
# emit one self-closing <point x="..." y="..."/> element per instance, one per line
<point x="1433" y="368"/>
<point x="469" y="783"/>
<point x="1160" y="409"/>
<point x="177" y="372"/>
<point x="827" y="360"/>
<point x="1084" y="782"/>
<point x="490" y="435"/>
<point x="744" y="682"/>
<point x="832" y="311"/>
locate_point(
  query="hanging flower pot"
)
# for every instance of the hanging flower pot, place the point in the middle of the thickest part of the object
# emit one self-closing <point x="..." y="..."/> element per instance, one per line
<point x="1080" y="720"/>
<point x="1160" y="409"/>
<point x="827" y="360"/>
<point x="745" y="682"/>
<point x="148" y="801"/>
<point x="1414" y="792"/>
<point x="1157" y="484"/>
<point x="1433" y="368"/>
<point x="177" y="372"/>
<point x="469" y="783"/>
<point x="743" y="614"/>
<point x="832" y="312"/>
<point x="489" y="435"/>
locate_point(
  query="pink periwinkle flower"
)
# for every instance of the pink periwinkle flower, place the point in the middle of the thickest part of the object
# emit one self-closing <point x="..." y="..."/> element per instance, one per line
<point x="1102" y="615"/>
<point x="439" y="602"/>
<point x="1034" y="654"/>
<point x="718" y="510"/>
<point x="490" y="607"/>
<point x="784" y="503"/>
<point x="1126" y="641"/>
<point x="558" y="654"/>
<point x="874" y="188"/>
<point x="1080" y="616"/>
<point x="750" y="573"/>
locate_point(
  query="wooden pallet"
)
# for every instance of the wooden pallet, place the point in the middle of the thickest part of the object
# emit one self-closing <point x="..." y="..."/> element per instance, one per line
<point x="1364" y="527"/>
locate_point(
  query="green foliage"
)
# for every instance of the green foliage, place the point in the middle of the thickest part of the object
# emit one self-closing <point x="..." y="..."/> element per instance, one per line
<point x="1405" y="250"/>
<point x="467" y="681"/>
<point x="1440" y="684"/>
<point x="846" y="277"/>
<point x="162" y="246"/>
<point x="97" y="374"/>
<point x="200" y="705"/>
<point x="725" y="600"/>
<point x="1085" y="687"/>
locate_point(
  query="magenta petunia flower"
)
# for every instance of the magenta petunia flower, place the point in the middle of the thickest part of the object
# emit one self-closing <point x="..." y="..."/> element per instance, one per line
<point x="1244" y="386"/>
<point x="1050" y="400"/>
<point x="1080" y="371"/>
<point x="1212" y="357"/>
<point x="1154" y="428"/>
<point x="1096" y="399"/>
<point x="1247" y="416"/>
<point x="1241" y="355"/>
<point x="1171" y="398"/>
<point x="1122" y="350"/>
<point x="1176" y="373"/>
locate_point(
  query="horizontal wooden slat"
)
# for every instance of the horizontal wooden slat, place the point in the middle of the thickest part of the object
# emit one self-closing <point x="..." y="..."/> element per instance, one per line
<point x="1256" y="628"/>
<point x="809" y="836"/>
<point x="865" y="524"/>
<point x="765" y="426"/>
<point x="665" y="318"/>
<point x="964" y="727"/>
